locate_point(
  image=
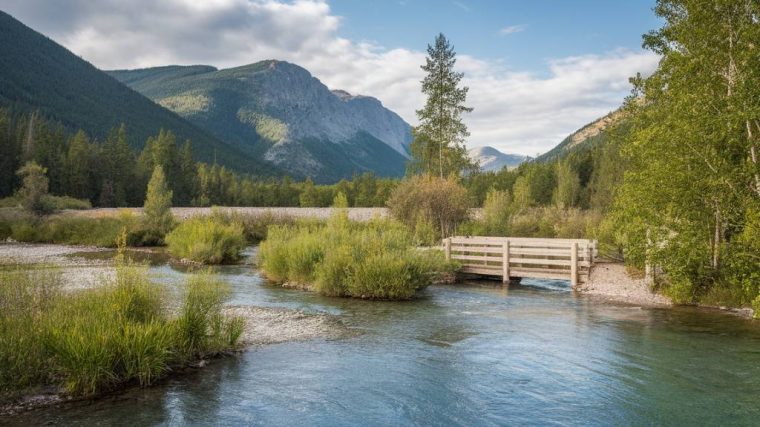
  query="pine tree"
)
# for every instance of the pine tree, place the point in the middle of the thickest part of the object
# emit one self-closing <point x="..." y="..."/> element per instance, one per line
<point x="438" y="146"/>
<point x="157" y="209"/>
<point x="78" y="168"/>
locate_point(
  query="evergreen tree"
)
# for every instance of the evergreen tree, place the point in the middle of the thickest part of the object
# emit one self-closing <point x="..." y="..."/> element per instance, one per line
<point x="78" y="167"/>
<point x="157" y="209"/>
<point x="8" y="155"/>
<point x="34" y="188"/>
<point x="438" y="146"/>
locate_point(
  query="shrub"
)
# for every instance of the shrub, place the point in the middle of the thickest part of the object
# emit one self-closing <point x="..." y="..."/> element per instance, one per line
<point x="377" y="259"/>
<point x="443" y="202"/>
<point x="497" y="213"/>
<point x="201" y="328"/>
<point x="206" y="240"/>
<point x="58" y="203"/>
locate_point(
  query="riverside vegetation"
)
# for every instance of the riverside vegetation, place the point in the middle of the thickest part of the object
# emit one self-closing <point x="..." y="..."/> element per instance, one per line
<point x="374" y="260"/>
<point x="127" y="331"/>
<point x="672" y="180"/>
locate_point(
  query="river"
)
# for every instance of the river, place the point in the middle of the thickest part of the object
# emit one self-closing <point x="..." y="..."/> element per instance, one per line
<point x="473" y="354"/>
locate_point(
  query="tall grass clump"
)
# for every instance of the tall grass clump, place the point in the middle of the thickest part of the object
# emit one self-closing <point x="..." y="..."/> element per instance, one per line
<point x="206" y="240"/>
<point x="255" y="225"/>
<point x="71" y="230"/>
<point x="374" y="260"/>
<point x="89" y="341"/>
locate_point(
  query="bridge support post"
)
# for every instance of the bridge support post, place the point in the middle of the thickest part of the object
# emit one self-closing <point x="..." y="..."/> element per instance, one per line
<point x="505" y="262"/>
<point x="574" y="264"/>
<point x="447" y="248"/>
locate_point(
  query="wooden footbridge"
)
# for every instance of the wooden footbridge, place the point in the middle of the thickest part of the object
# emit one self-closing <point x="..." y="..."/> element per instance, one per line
<point x="517" y="257"/>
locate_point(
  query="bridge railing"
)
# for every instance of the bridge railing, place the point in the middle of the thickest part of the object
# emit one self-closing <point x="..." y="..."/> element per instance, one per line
<point x="564" y="259"/>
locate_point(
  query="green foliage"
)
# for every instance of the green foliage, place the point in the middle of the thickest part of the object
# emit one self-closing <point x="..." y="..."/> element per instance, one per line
<point x="497" y="213"/>
<point x="35" y="187"/>
<point x="442" y="202"/>
<point x="568" y="186"/>
<point x="158" y="217"/>
<point x="201" y="328"/>
<point x="255" y="225"/>
<point x="72" y="230"/>
<point x="377" y="260"/>
<point x="438" y="144"/>
<point x="207" y="240"/>
<point x="117" y="176"/>
<point x="59" y="203"/>
<point x="99" y="339"/>
<point x="692" y="178"/>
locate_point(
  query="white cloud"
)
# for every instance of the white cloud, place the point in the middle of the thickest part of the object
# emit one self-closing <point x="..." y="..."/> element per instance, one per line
<point x="512" y="29"/>
<point x="519" y="112"/>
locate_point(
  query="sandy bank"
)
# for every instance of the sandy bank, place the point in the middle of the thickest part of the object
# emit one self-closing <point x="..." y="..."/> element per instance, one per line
<point x="611" y="282"/>
<point x="266" y="325"/>
<point x="33" y="253"/>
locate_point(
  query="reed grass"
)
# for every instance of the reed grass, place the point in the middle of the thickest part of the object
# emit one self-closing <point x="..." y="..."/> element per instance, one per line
<point x="373" y="260"/>
<point x="123" y="332"/>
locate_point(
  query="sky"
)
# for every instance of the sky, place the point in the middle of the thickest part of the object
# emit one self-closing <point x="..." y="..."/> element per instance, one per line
<point x="536" y="70"/>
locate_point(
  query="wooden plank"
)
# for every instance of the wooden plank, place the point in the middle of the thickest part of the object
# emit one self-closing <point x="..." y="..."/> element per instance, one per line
<point x="476" y="258"/>
<point x="505" y="263"/>
<point x="574" y="265"/>
<point x="542" y="261"/>
<point x="518" y="239"/>
<point x="519" y="251"/>
<point x="482" y="270"/>
<point x="541" y="275"/>
<point x="483" y="249"/>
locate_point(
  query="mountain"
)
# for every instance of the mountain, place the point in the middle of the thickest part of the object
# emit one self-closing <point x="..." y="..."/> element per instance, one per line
<point x="38" y="74"/>
<point x="279" y="111"/>
<point x="590" y="134"/>
<point x="493" y="160"/>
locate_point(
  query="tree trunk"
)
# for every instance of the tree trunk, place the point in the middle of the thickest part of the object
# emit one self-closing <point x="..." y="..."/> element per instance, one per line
<point x="753" y="156"/>
<point x="717" y="238"/>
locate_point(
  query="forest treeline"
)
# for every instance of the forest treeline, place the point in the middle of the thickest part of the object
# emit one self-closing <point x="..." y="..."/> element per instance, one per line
<point x="111" y="174"/>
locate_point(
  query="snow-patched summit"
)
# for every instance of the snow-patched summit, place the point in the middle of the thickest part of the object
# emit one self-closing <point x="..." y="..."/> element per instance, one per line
<point x="491" y="159"/>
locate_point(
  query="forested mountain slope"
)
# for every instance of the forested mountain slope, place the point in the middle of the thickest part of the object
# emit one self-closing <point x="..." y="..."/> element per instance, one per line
<point x="279" y="111"/>
<point x="37" y="74"/>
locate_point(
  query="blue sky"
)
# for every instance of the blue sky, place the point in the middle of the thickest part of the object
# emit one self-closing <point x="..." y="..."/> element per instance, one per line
<point x="540" y="29"/>
<point x="537" y="70"/>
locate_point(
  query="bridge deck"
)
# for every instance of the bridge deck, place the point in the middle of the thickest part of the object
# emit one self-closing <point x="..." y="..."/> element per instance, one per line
<point x="563" y="259"/>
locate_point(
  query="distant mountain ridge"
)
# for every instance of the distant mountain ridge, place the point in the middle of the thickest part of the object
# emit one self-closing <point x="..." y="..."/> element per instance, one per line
<point x="493" y="160"/>
<point x="37" y="74"/>
<point x="591" y="133"/>
<point x="280" y="112"/>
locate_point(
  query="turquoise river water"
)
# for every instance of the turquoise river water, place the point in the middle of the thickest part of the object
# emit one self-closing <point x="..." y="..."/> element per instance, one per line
<point x="477" y="354"/>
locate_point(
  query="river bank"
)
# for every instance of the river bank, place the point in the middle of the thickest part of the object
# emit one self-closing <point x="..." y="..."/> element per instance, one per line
<point x="610" y="281"/>
<point x="89" y="267"/>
